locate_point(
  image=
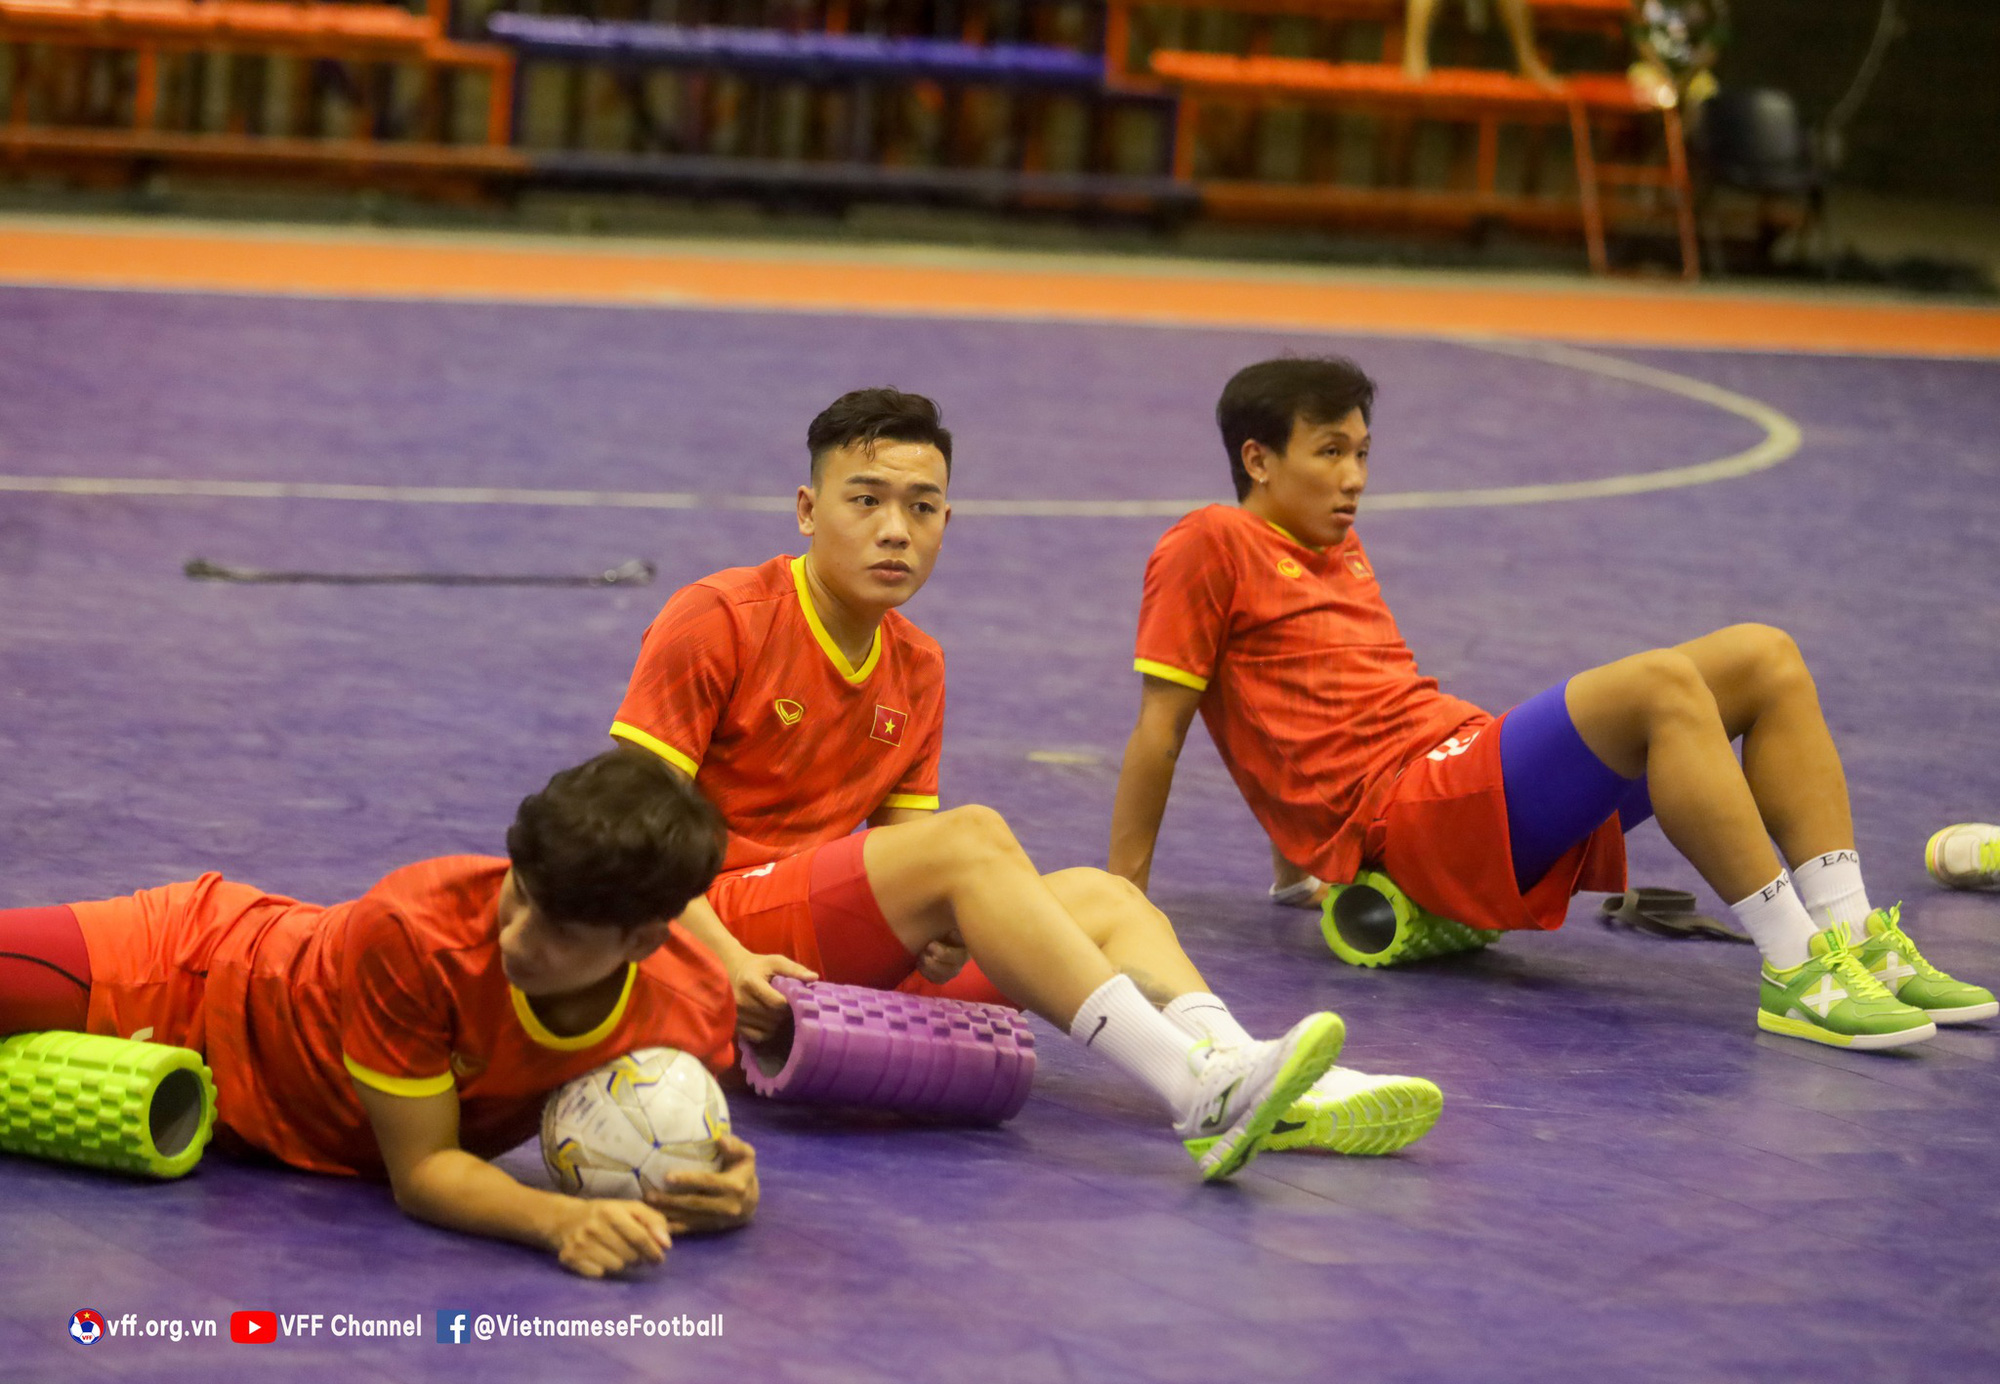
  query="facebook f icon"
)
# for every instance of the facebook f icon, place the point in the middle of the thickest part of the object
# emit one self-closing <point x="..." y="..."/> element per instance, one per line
<point x="453" y="1327"/>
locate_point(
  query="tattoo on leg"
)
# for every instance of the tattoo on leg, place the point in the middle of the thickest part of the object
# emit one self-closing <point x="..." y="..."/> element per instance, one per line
<point x="1157" y="994"/>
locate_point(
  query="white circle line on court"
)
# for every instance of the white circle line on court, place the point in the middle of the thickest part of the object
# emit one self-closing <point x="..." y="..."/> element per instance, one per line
<point x="1782" y="438"/>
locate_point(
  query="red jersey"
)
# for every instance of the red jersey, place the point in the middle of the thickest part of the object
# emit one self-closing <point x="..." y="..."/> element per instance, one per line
<point x="400" y="989"/>
<point x="739" y="684"/>
<point x="1308" y="690"/>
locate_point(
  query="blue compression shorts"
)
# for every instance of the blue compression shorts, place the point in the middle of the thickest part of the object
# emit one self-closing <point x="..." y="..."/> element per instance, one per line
<point x="1558" y="791"/>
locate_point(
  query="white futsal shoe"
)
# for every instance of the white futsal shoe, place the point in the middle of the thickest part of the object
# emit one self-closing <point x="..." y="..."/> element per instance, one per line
<point x="1242" y="1092"/>
<point x="1353" y="1112"/>
<point x="1966" y="856"/>
<point x="1302" y="893"/>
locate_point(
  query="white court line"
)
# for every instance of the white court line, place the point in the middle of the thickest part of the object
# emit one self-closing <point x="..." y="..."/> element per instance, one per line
<point x="1782" y="438"/>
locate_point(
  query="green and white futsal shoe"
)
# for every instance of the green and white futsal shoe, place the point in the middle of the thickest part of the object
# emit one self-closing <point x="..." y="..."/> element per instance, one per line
<point x="1353" y="1112"/>
<point x="1892" y="958"/>
<point x="1831" y="998"/>
<point x="1246" y="1090"/>
<point x="1966" y="856"/>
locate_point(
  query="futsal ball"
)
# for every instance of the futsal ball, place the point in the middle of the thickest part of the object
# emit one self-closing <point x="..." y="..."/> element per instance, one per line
<point x="624" y="1128"/>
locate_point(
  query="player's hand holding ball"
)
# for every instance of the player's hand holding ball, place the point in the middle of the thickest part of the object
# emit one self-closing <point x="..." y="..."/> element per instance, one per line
<point x="697" y="1202"/>
<point x="645" y="1140"/>
<point x="759" y="1007"/>
<point x="595" y="1238"/>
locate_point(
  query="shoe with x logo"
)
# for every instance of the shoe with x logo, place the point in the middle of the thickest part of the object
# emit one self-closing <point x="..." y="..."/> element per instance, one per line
<point x="1831" y="998"/>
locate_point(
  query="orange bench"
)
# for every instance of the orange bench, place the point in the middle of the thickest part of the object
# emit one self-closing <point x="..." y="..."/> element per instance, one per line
<point x="1486" y="98"/>
<point x="360" y="33"/>
<point x="1603" y="16"/>
<point x="123" y="23"/>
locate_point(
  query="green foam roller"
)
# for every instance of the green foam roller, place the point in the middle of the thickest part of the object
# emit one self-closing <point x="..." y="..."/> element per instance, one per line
<point x="1372" y="922"/>
<point x="105" y="1102"/>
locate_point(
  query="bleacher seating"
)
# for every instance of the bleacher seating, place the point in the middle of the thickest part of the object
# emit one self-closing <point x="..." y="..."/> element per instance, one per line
<point x="841" y="65"/>
<point x="1584" y="103"/>
<point x="340" y="50"/>
<point x="810" y="56"/>
<point x="1045" y="114"/>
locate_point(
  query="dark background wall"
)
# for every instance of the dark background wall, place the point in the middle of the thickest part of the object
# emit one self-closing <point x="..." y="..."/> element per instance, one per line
<point x="1930" y="126"/>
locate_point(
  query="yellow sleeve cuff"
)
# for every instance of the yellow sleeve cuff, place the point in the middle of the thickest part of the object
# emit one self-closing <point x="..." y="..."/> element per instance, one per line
<point x="916" y="801"/>
<point x="415" y="1086"/>
<point x="659" y="747"/>
<point x="1170" y="674"/>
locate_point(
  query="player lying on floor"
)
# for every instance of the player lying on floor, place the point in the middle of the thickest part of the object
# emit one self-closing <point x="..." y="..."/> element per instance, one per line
<point x="803" y="704"/>
<point x="1265" y="617"/>
<point x="416" y="1031"/>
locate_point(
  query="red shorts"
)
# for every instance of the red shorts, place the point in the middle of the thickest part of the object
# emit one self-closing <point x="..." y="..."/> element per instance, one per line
<point x="1442" y="836"/>
<point x="969" y="984"/>
<point x="151" y="953"/>
<point x="817" y="908"/>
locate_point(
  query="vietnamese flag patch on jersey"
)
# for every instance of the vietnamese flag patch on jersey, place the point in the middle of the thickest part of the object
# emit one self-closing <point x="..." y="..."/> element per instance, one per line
<point x="888" y="725"/>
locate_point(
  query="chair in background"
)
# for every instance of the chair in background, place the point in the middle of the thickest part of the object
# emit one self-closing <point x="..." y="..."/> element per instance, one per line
<point x="1750" y="139"/>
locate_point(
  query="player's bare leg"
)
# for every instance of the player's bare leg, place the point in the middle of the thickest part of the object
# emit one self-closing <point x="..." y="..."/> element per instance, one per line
<point x="1653" y="715"/>
<point x="1135" y="937"/>
<point x="1765" y="695"/>
<point x="1417" y="21"/>
<point x="1671" y="715"/>
<point x="962" y="873"/>
<point x="1520" y="26"/>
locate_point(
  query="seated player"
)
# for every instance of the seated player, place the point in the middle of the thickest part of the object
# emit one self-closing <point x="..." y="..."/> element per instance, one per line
<point x="1266" y="617"/>
<point x="1966" y="856"/>
<point x="803" y="704"/>
<point x="415" y="1032"/>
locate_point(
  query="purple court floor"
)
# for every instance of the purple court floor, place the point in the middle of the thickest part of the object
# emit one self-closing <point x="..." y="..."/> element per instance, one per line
<point x="1628" y="1182"/>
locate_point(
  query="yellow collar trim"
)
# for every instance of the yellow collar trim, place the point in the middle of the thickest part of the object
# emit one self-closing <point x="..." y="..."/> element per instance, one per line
<point x="1287" y="533"/>
<point x="539" y="1031"/>
<point x="827" y="646"/>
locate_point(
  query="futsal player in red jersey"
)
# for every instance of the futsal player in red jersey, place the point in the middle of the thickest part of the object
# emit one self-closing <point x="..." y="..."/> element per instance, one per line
<point x="416" y="1031"/>
<point x="805" y="706"/>
<point x="1266" y="617"/>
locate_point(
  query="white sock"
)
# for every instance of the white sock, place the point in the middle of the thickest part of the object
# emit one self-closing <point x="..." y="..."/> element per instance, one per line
<point x="1119" y="1022"/>
<point x="1201" y="1015"/>
<point x="1830" y="888"/>
<point x="1777" y="922"/>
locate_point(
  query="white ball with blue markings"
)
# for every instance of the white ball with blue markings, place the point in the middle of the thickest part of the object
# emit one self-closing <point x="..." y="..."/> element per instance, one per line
<point x="624" y="1128"/>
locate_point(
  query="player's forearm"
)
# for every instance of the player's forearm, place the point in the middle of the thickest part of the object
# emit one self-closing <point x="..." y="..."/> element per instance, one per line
<point x="1144" y="782"/>
<point x="458" y="1191"/>
<point x="705" y="927"/>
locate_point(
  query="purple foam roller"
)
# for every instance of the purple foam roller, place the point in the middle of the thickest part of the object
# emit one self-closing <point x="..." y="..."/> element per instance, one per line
<point x="920" y="1054"/>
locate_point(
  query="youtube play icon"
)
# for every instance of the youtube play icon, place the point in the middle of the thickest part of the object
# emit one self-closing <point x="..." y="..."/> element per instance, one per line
<point x="253" y="1328"/>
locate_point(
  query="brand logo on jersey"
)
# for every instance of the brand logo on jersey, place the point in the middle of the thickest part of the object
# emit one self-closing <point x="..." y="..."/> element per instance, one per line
<point x="1289" y="567"/>
<point x="888" y="725"/>
<point x="788" y="710"/>
<point x="1451" y="747"/>
<point x="465" y="1066"/>
<point x="1358" y="565"/>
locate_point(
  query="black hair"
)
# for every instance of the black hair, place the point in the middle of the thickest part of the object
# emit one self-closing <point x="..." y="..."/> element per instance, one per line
<point x="870" y="415"/>
<point x="1262" y="402"/>
<point x="620" y="840"/>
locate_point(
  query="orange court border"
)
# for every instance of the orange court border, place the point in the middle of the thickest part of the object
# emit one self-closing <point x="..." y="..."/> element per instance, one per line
<point x="206" y="257"/>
